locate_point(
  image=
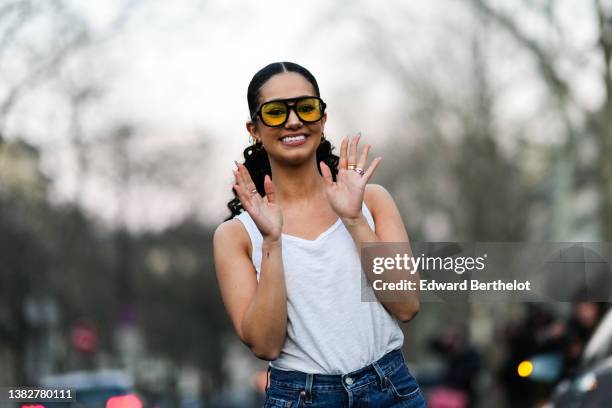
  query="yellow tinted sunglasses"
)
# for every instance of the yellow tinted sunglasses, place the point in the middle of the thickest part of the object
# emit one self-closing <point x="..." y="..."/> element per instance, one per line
<point x="275" y="113"/>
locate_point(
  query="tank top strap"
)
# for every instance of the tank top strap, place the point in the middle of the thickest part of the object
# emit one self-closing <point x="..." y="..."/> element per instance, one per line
<point x="366" y="212"/>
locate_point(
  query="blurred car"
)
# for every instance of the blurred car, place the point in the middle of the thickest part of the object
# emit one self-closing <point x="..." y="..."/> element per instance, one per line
<point x="592" y="387"/>
<point x="94" y="389"/>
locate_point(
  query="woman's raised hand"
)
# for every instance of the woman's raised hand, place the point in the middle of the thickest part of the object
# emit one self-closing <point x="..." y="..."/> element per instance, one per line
<point x="264" y="211"/>
<point x="346" y="193"/>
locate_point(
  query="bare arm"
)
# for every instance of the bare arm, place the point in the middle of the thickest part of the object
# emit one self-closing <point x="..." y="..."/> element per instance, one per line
<point x="258" y="310"/>
<point x="389" y="228"/>
<point x="346" y="196"/>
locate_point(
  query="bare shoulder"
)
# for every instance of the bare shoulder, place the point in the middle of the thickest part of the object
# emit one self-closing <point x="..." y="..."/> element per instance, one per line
<point x="231" y="233"/>
<point x="388" y="220"/>
<point x="377" y="196"/>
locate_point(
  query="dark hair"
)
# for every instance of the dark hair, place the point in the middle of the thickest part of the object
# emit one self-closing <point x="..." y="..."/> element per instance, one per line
<point x="255" y="156"/>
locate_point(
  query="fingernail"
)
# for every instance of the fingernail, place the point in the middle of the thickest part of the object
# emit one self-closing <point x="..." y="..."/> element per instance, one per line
<point x="236" y="163"/>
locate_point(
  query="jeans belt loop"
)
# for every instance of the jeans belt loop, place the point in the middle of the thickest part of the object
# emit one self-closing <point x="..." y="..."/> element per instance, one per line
<point x="309" y="380"/>
<point x="381" y="376"/>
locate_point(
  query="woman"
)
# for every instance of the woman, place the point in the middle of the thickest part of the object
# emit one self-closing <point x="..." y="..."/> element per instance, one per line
<point x="288" y="266"/>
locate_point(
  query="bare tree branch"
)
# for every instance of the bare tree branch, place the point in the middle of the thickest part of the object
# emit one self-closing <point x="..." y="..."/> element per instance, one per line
<point x="23" y="10"/>
<point x="605" y="43"/>
<point x="44" y="68"/>
<point x="544" y="60"/>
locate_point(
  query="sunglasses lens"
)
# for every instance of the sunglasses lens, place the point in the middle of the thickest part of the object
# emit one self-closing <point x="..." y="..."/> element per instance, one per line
<point x="274" y="113"/>
<point x="309" y="109"/>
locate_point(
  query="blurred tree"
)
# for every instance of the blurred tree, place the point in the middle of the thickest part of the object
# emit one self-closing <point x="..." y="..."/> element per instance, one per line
<point x="38" y="39"/>
<point x="458" y="182"/>
<point x="552" y="54"/>
<point x="29" y="56"/>
<point x="459" y="165"/>
<point x="177" y="296"/>
<point x="59" y="251"/>
<point x="47" y="252"/>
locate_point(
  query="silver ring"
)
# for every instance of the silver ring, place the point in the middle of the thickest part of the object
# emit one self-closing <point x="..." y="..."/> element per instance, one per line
<point x="254" y="191"/>
<point x="359" y="170"/>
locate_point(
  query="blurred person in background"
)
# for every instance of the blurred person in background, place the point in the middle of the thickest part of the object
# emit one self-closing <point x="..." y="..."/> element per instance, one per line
<point x="456" y="387"/>
<point x="289" y="265"/>
<point x="536" y="332"/>
<point x="577" y="331"/>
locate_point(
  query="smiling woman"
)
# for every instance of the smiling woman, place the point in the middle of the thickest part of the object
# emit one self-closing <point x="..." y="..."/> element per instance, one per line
<point x="287" y="258"/>
<point x="256" y="156"/>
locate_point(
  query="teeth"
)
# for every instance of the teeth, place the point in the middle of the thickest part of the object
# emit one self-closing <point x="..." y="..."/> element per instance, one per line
<point x="293" y="138"/>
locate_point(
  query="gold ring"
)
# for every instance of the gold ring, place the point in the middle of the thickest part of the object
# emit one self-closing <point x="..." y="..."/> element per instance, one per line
<point x="351" y="167"/>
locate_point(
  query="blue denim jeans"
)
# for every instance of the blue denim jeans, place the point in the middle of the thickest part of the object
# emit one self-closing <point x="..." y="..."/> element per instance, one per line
<point x="384" y="383"/>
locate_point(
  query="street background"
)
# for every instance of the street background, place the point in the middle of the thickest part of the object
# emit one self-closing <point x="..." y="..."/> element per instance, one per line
<point x="120" y="121"/>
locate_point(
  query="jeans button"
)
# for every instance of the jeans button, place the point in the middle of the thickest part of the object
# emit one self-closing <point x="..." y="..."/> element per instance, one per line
<point x="348" y="380"/>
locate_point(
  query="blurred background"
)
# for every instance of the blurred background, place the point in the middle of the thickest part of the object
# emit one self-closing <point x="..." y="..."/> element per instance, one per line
<point x="119" y="124"/>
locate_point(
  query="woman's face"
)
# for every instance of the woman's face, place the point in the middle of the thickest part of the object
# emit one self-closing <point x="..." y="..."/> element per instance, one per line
<point x="285" y="86"/>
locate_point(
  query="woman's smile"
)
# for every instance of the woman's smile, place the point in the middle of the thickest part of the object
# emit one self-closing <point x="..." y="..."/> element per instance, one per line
<point x="294" y="140"/>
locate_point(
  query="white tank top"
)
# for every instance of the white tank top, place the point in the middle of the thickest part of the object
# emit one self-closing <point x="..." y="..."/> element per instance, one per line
<point x="330" y="330"/>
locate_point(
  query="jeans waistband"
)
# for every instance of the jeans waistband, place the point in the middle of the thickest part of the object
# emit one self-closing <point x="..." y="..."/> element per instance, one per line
<point x="377" y="371"/>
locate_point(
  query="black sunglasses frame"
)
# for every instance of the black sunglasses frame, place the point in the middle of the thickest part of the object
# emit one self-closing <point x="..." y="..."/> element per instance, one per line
<point x="290" y="108"/>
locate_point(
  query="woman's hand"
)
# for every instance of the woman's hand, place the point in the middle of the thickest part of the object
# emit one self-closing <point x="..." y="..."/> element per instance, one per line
<point x="265" y="212"/>
<point x="346" y="193"/>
